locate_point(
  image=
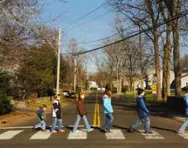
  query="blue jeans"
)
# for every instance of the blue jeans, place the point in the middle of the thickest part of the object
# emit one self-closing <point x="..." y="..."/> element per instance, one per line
<point x="140" y="121"/>
<point x="184" y="125"/>
<point x="87" y="126"/>
<point x="41" y="124"/>
<point x="55" y="120"/>
<point x="109" y="119"/>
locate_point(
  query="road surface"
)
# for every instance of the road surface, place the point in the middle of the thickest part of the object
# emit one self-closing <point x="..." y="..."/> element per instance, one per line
<point x="164" y="130"/>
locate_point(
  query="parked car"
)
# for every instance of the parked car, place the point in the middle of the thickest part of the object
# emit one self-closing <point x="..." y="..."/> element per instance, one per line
<point x="71" y="95"/>
<point x="65" y="92"/>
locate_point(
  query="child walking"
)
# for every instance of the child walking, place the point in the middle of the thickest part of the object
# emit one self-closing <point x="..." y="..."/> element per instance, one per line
<point x="185" y="124"/>
<point x="41" y="118"/>
<point x="56" y="115"/>
<point x="81" y="113"/>
<point x="108" y="110"/>
<point x="143" y="113"/>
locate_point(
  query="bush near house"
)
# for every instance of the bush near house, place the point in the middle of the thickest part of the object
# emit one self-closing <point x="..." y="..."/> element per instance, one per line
<point x="5" y="104"/>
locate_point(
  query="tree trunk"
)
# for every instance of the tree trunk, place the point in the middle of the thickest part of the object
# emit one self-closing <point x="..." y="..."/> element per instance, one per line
<point x="176" y="54"/>
<point x="174" y="9"/>
<point x="157" y="64"/>
<point x="120" y="85"/>
<point x="167" y="64"/>
<point x="164" y="82"/>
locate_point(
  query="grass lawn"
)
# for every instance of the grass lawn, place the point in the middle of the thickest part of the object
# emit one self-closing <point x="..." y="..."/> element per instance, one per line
<point x="38" y="102"/>
<point x="149" y="96"/>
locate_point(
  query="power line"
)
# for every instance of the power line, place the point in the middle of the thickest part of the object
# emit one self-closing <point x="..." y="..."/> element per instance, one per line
<point x="131" y="36"/>
<point x="101" y="39"/>
<point x="84" y="23"/>
<point x="105" y="38"/>
<point x="87" y="14"/>
<point x="82" y="17"/>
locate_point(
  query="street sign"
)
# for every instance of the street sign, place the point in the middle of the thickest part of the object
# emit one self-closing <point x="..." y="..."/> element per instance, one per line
<point x="154" y="88"/>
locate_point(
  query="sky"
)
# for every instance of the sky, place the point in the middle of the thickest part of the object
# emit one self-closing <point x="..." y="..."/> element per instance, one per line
<point x="94" y="26"/>
<point x="66" y="15"/>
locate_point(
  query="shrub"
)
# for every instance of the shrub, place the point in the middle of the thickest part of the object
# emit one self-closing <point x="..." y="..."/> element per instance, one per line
<point x="93" y="88"/>
<point x="5" y="104"/>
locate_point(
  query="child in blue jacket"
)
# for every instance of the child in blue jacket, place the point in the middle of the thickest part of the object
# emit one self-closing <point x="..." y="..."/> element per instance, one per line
<point x="185" y="124"/>
<point x="143" y="113"/>
<point x="108" y="110"/>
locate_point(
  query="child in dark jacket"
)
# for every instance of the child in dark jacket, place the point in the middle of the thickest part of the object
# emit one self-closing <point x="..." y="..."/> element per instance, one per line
<point x="81" y="113"/>
<point x="41" y="118"/>
<point x="56" y="115"/>
<point x="143" y="113"/>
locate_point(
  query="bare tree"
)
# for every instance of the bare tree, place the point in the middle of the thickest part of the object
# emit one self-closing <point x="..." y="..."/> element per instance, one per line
<point x="16" y="16"/>
<point x="167" y="50"/>
<point x="81" y="61"/>
<point x="143" y="14"/>
<point x="174" y="8"/>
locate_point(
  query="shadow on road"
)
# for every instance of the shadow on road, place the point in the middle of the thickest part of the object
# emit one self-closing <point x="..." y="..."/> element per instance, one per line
<point x="122" y="128"/>
<point x="164" y="129"/>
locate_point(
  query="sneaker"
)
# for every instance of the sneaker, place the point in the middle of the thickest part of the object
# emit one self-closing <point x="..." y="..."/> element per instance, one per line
<point x="149" y="132"/>
<point x="61" y="131"/>
<point x="54" y="131"/>
<point x="91" y="129"/>
<point x="130" y="130"/>
<point x="74" y="131"/>
<point x="180" y="132"/>
<point x="107" y="131"/>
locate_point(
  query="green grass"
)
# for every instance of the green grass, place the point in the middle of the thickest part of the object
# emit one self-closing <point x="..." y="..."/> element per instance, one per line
<point x="38" y="102"/>
<point x="133" y="94"/>
<point x="149" y="96"/>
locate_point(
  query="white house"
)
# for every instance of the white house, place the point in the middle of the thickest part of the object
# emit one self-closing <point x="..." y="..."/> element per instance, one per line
<point x="152" y="78"/>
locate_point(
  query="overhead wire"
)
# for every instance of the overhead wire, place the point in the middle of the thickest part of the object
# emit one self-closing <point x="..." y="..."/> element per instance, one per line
<point x="184" y="13"/>
<point x="82" y="17"/>
<point x="87" y="14"/>
<point x="84" y="23"/>
<point x="104" y="38"/>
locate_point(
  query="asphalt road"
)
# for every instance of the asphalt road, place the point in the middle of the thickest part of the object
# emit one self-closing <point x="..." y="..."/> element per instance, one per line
<point x="164" y="130"/>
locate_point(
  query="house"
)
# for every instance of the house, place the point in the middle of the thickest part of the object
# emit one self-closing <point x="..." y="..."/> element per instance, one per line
<point x="152" y="79"/>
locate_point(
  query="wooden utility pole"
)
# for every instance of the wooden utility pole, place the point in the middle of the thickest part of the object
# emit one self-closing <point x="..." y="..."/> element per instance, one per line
<point x="140" y="56"/>
<point x="75" y="73"/>
<point x="58" y="62"/>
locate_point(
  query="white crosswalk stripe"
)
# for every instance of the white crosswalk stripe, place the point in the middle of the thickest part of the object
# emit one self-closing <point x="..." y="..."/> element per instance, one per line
<point x="153" y="135"/>
<point x="184" y="135"/>
<point x="41" y="135"/>
<point x="115" y="134"/>
<point x="9" y="134"/>
<point x="79" y="134"/>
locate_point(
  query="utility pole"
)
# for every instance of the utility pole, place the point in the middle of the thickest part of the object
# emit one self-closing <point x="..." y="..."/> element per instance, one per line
<point x="140" y="54"/>
<point x="58" y="61"/>
<point x="75" y="73"/>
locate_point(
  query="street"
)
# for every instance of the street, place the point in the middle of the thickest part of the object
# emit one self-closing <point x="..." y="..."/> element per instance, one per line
<point x="164" y="130"/>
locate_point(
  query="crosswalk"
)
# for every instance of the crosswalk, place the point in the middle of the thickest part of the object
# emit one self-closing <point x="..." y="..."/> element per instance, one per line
<point x="79" y="134"/>
<point x="153" y="135"/>
<point x="41" y="135"/>
<point x="115" y="134"/>
<point x="184" y="135"/>
<point x="9" y="134"/>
